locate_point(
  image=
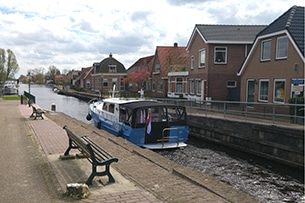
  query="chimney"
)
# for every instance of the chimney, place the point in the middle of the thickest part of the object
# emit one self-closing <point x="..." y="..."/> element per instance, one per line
<point x="175" y="44"/>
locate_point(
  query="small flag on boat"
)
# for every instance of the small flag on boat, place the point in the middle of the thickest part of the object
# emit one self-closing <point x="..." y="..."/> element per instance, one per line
<point x="148" y="127"/>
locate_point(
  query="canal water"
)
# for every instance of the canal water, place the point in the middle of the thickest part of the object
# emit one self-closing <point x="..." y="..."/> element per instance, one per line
<point x="267" y="181"/>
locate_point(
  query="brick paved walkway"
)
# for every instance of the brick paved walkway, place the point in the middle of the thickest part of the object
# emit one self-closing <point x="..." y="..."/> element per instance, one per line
<point x="157" y="179"/>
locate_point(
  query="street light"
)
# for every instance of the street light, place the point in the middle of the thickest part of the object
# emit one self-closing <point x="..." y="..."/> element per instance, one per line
<point x="29" y="80"/>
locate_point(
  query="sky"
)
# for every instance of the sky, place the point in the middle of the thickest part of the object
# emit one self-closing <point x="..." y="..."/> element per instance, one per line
<point x="72" y="34"/>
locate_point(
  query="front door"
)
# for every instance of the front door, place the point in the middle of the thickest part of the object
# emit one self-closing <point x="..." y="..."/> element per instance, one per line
<point x="250" y="91"/>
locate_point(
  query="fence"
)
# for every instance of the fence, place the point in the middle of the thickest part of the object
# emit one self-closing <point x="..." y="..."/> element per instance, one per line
<point x="248" y="111"/>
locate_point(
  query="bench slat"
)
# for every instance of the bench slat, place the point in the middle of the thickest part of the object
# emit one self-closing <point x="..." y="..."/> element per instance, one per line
<point x="96" y="155"/>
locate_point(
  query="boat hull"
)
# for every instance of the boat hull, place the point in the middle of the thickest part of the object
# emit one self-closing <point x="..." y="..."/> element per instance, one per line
<point x="163" y="133"/>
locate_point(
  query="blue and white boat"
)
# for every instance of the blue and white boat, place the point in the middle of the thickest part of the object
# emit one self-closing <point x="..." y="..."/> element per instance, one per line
<point x="146" y="123"/>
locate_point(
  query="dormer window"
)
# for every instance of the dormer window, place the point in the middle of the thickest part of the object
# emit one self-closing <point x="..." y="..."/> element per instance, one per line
<point x="157" y="68"/>
<point x="112" y="69"/>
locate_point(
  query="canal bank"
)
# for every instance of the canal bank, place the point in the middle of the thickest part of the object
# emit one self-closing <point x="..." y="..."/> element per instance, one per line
<point x="155" y="178"/>
<point x="281" y="143"/>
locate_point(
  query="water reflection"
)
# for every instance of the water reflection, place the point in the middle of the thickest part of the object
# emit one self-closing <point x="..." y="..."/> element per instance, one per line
<point x="268" y="182"/>
<point x="45" y="97"/>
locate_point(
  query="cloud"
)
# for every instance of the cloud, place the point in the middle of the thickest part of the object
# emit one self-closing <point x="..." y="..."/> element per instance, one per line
<point x="74" y="35"/>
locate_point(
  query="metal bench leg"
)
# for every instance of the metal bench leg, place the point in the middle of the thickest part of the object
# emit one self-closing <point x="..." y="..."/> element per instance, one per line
<point x="104" y="173"/>
<point x="111" y="179"/>
<point x="92" y="175"/>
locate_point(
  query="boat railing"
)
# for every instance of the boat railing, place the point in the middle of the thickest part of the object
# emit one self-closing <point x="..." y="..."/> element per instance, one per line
<point x="169" y="138"/>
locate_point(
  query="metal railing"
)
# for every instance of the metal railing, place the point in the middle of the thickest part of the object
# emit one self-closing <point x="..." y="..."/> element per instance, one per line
<point x="247" y="111"/>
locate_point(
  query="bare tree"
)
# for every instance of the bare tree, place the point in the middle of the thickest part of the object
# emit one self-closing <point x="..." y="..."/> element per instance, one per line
<point x="52" y="72"/>
<point x="12" y="66"/>
<point x="2" y="64"/>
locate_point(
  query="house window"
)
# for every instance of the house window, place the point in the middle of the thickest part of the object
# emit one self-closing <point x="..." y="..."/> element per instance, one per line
<point x="192" y="62"/>
<point x="279" y="91"/>
<point x="112" y="69"/>
<point x="266" y="50"/>
<point x="179" y="82"/>
<point x="157" y="68"/>
<point x="198" y="87"/>
<point x="114" y="82"/>
<point x="220" y="55"/>
<point x="201" y="58"/>
<point x="87" y="83"/>
<point x="105" y="82"/>
<point x="263" y="90"/>
<point x="153" y="86"/>
<point x="192" y="86"/>
<point x="231" y="84"/>
<point x="160" y="86"/>
<point x="281" y="47"/>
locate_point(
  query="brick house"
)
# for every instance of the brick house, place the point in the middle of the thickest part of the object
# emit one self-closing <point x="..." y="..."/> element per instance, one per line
<point x="107" y="73"/>
<point x="216" y="54"/>
<point x="84" y="79"/>
<point x="138" y="74"/>
<point x="273" y="72"/>
<point x="166" y="59"/>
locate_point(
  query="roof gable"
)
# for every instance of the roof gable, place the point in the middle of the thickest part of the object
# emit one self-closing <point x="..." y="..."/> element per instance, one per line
<point x="171" y="56"/>
<point x="140" y="63"/>
<point x="227" y="34"/>
<point x="292" y="21"/>
<point x="103" y="66"/>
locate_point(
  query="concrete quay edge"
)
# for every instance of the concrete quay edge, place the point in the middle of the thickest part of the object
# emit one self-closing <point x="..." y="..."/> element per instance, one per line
<point x="134" y="164"/>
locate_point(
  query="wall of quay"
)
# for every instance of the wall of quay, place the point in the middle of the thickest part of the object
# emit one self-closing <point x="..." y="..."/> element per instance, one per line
<point x="279" y="144"/>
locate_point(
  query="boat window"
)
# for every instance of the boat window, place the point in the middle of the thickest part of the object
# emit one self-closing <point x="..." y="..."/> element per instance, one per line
<point x="176" y="114"/>
<point x="141" y="116"/>
<point x="111" y="108"/>
<point x="126" y="116"/>
<point x="158" y="114"/>
<point x="105" y="107"/>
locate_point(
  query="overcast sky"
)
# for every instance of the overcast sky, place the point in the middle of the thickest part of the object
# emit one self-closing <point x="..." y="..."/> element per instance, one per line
<point x="71" y="34"/>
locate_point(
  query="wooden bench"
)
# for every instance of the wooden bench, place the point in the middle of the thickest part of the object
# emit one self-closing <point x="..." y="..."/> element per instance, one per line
<point x="96" y="155"/>
<point x="36" y="113"/>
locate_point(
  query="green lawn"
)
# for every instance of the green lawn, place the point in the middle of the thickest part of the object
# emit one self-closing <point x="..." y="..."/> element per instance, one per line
<point x="10" y="97"/>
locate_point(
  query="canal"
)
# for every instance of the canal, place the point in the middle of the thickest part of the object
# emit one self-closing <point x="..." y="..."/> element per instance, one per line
<point x="269" y="182"/>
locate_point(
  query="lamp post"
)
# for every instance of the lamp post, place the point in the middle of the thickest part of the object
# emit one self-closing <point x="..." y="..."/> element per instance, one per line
<point x="296" y="68"/>
<point x="29" y="80"/>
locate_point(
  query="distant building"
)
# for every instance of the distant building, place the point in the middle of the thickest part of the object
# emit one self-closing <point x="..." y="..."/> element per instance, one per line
<point x="84" y="79"/>
<point x="167" y="59"/>
<point x="139" y="73"/>
<point x="106" y="74"/>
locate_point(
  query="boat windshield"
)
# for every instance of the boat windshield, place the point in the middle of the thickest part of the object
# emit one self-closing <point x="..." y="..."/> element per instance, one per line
<point x="158" y="114"/>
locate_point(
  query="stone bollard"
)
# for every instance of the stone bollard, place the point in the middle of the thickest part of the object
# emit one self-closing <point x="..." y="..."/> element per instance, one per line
<point x="77" y="190"/>
<point x="53" y="107"/>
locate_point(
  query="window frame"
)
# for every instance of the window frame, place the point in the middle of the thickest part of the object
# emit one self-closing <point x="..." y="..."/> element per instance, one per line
<point x="201" y="58"/>
<point x="192" y="86"/>
<point x="279" y="49"/>
<point x="192" y="62"/>
<point x="179" y="84"/>
<point x="105" y="83"/>
<point x="231" y="86"/>
<point x="277" y="99"/>
<point x="225" y="54"/>
<point x="265" y="51"/>
<point x="198" y="87"/>
<point x="263" y="97"/>
<point x="112" y="68"/>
